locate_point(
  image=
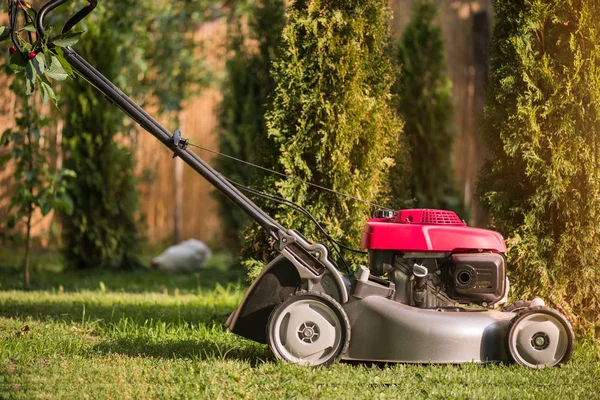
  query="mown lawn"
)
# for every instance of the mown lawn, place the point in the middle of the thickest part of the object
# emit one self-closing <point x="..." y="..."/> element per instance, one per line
<point x="147" y="334"/>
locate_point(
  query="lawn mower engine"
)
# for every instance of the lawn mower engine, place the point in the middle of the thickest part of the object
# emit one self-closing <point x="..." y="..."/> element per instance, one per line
<point x="434" y="260"/>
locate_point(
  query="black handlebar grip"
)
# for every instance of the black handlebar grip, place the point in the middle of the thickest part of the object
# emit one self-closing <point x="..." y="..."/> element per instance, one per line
<point x="81" y="14"/>
<point x="51" y="5"/>
<point x="39" y="23"/>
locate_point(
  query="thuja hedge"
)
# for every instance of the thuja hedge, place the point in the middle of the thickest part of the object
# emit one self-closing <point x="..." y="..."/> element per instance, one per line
<point x="425" y="103"/>
<point x="332" y="116"/>
<point x="149" y="61"/>
<point x="246" y="92"/>
<point x="542" y="129"/>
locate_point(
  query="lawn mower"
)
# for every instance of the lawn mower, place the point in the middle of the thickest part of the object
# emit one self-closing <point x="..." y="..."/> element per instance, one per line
<point x="429" y="294"/>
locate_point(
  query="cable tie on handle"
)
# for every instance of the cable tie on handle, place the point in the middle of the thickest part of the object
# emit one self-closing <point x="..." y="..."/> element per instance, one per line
<point x="178" y="142"/>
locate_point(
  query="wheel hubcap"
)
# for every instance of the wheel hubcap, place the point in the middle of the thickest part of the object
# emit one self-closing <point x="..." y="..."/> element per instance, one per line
<point x="307" y="332"/>
<point x="539" y="340"/>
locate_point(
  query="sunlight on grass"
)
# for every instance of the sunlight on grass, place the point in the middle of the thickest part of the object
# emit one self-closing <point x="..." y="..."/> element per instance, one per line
<point x="146" y="334"/>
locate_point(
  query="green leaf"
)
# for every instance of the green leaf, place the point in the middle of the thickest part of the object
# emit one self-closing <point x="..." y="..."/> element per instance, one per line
<point x="65" y="64"/>
<point x="48" y="92"/>
<point x="29" y="28"/>
<point x="45" y="121"/>
<point x="17" y="62"/>
<point x="30" y="175"/>
<point x="28" y="87"/>
<point x="66" y="203"/>
<point x="39" y="63"/>
<point x="4" y="33"/>
<point x="68" y="173"/>
<point x="4" y="159"/>
<point x="30" y="77"/>
<point x="45" y="207"/>
<point x="12" y="221"/>
<point x="67" y="39"/>
<point x="5" y="138"/>
<point x="30" y="71"/>
<point x="56" y="71"/>
<point x="44" y="91"/>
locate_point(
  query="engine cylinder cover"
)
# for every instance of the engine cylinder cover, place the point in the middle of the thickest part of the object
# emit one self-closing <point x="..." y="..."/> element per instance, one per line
<point x="428" y="231"/>
<point x="477" y="277"/>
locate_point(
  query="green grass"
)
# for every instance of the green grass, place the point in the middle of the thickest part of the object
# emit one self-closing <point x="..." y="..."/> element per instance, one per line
<point x="147" y="334"/>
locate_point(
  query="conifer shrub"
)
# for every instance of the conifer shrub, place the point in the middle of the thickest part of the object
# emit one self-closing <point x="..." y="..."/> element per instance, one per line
<point x="102" y="230"/>
<point x="542" y="179"/>
<point x="246" y="91"/>
<point x="332" y="116"/>
<point x="425" y="104"/>
<point x="152" y="62"/>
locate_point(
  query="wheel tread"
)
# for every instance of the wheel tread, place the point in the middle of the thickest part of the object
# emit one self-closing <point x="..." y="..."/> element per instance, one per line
<point x="517" y="306"/>
<point x="544" y="310"/>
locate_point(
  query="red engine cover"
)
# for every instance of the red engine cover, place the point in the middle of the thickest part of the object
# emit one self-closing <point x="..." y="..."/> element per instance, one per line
<point x="428" y="230"/>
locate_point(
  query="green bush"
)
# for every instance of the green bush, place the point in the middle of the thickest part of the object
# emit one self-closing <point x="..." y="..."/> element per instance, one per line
<point x="331" y="114"/>
<point x="102" y="230"/>
<point x="246" y="93"/>
<point x="153" y="62"/>
<point x="542" y="180"/>
<point x="425" y="103"/>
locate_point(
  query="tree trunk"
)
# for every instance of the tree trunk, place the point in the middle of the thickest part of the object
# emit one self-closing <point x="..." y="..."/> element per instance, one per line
<point x="178" y="181"/>
<point x="178" y="204"/>
<point x="30" y="205"/>
<point x="27" y="248"/>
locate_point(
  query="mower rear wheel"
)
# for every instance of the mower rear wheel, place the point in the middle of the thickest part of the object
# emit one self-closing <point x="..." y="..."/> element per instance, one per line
<point x="540" y="337"/>
<point x="309" y="328"/>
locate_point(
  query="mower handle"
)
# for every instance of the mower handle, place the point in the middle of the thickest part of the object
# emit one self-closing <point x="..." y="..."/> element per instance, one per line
<point x="74" y="20"/>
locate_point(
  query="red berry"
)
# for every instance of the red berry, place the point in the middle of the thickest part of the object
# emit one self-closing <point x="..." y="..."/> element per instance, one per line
<point x="12" y="50"/>
<point x="32" y="54"/>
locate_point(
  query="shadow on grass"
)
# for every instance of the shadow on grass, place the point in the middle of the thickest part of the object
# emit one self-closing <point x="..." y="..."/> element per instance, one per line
<point x="201" y="349"/>
<point x="94" y="311"/>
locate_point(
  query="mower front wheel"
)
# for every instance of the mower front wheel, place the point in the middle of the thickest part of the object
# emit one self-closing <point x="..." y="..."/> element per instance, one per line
<point x="540" y="337"/>
<point x="309" y="328"/>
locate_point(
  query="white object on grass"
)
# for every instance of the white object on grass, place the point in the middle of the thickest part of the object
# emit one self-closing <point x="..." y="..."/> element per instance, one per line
<point x="189" y="255"/>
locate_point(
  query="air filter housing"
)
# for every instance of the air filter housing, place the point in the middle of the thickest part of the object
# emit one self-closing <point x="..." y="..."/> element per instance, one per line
<point x="430" y="217"/>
